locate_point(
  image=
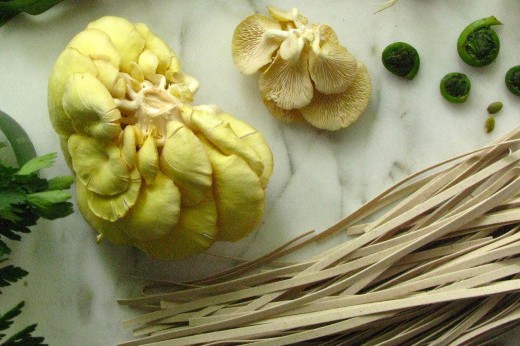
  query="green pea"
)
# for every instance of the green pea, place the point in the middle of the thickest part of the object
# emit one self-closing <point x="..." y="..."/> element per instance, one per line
<point x="490" y="124"/>
<point x="495" y="107"/>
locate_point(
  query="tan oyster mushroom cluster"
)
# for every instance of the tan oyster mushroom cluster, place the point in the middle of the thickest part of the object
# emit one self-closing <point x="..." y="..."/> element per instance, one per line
<point x="151" y="169"/>
<point x="306" y="74"/>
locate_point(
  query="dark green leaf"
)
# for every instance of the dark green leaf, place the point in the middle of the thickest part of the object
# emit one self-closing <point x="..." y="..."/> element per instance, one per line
<point x="6" y="14"/>
<point x="7" y="202"/>
<point x="33" y="7"/>
<point x="4" y="249"/>
<point x="7" y="319"/>
<point x="10" y="8"/>
<point x="10" y="234"/>
<point x="37" y="163"/>
<point x="51" y="204"/>
<point x="10" y="274"/>
<point x="24" y="338"/>
<point x="29" y="183"/>
<point x="57" y="211"/>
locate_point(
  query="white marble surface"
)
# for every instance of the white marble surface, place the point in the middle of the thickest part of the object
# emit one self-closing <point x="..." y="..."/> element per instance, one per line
<point x="319" y="176"/>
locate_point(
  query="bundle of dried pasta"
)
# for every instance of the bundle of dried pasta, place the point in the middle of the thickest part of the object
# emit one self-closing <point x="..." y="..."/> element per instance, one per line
<point x="434" y="260"/>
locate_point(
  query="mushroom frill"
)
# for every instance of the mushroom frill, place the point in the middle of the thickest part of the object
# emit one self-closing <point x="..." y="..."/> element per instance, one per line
<point x="306" y="74"/>
<point x="151" y="169"/>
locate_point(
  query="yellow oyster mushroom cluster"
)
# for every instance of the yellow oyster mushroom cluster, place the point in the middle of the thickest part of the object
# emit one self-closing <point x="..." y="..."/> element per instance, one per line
<point x="152" y="170"/>
<point x="306" y="74"/>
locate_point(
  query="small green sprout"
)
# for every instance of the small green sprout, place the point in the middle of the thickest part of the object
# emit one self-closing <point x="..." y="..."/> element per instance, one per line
<point x="455" y="87"/>
<point x="513" y="80"/>
<point x="478" y="45"/>
<point x="401" y="59"/>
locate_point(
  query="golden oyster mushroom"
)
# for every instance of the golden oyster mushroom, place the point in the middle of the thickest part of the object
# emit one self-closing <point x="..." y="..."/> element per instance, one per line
<point x="299" y="64"/>
<point x="152" y="170"/>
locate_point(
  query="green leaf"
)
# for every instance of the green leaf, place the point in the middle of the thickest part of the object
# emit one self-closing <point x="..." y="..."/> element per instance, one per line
<point x="4" y="249"/>
<point x="7" y="201"/>
<point x="10" y="274"/>
<point x="33" y="7"/>
<point x="51" y="204"/>
<point x="60" y="183"/>
<point x="24" y="338"/>
<point x="58" y="211"/>
<point x="8" y="233"/>
<point x="47" y="198"/>
<point x="37" y="163"/>
<point x="7" y="319"/>
<point x="6" y="14"/>
<point x="9" y="9"/>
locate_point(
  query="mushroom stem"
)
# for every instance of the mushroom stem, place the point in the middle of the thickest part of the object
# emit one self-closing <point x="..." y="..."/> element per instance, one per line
<point x="275" y="33"/>
<point x="150" y="107"/>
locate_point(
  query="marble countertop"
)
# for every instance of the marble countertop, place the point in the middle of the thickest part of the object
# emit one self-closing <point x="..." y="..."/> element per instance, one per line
<point x="319" y="176"/>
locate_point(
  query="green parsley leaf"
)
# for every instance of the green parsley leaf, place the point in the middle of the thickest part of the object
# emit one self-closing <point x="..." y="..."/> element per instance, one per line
<point x="37" y="163"/>
<point x="7" y="201"/>
<point x="51" y="204"/>
<point x="60" y="183"/>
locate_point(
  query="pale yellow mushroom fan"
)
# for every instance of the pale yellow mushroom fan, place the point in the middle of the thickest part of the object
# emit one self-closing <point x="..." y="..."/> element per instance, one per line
<point x="306" y="75"/>
<point x="151" y="169"/>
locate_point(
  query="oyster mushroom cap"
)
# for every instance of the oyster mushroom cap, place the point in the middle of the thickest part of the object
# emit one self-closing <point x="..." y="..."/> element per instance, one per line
<point x="256" y="141"/>
<point x="156" y="211"/>
<point x="222" y="136"/>
<point x="238" y="194"/>
<point x="125" y="38"/>
<point x="195" y="232"/>
<point x="98" y="166"/>
<point x="90" y="107"/>
<point x="167" y="60"/>
<point x="336" y="111"/>
<point x="287" y="84"/>
<point x="326" y="33"/>
<point x="110" y="77"/>
<point x="114" y="207"/>
<point x="285" y="115"/>
<point x="69" y="62"/>
<point x="332" y="68"/>
<point x="283" y="16"/>
<point x="96" y="45"/>
<point x="106" y="229"/>
<point x="148" y="160"/>
<point x="148" y="62"/>
<point x="251" y="47"/>
<point x="185" y="161"/>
